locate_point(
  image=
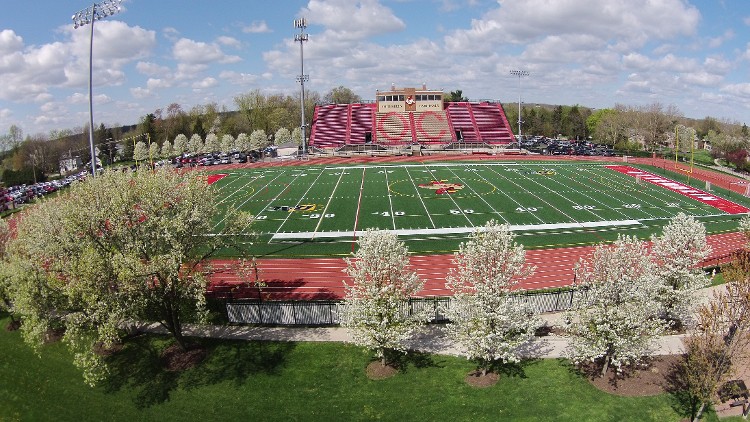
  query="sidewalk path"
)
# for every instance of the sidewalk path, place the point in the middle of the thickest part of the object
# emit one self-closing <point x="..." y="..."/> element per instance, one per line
<point x="432" y="340"/>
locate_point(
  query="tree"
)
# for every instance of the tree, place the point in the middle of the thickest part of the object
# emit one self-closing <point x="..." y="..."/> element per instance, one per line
<point x="212" y="143"/>
<point x="119" y="247"/>
<point x="153" y="151"/>
<point x="677" y="253"/>
<point x="375" y="308"/>
<point x="258" y="139"/>
<point x="5" y="276"/>
<point x="282" y="136"/>
<point x="486" y="319"/>
<point x="180" y="145"/>
<point x="227" y="143"/>
<point x="195" y="144"/>
<point x="242" y="143"/>
<point x="341" y="95"/>
<point x="455" y="96"/>
<point x="166" y="150"/>
<point x="140" y="152"/>
<point x="721" y="339"/>
<point x="297" y="136"/>
<point x="615" y="317"/>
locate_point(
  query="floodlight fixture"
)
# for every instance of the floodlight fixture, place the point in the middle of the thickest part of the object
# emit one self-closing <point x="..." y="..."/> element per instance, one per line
<point x="520" y="74"/>
<point x="302" y="78"/>
<point x="95" y="12"/>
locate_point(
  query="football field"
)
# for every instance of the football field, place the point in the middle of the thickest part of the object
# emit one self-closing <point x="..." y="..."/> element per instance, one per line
<point x="437" y="202"/>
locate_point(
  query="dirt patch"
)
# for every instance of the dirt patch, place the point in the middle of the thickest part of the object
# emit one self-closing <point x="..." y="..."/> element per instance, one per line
<point x="176" y="359"/>
<point x="54" y="335"/>
<point x="648" y="380"/>
<point x="101" y="350"/>
<point x="377" y="371"/>
<point x="478" y="380"/>
<point x="13" y="325"/>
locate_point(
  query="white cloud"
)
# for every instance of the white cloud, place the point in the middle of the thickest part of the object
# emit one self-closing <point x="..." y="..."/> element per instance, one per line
<point x="196" y="52"/>
<point x="228" y="41"/>
<point x="237" y="78"/>
<point x="151" y="69"/>
<point x="140" y="93"/>
<point x="257" y="27"/>
<point x="205" y="84"/>
<point x="349" y="20"/>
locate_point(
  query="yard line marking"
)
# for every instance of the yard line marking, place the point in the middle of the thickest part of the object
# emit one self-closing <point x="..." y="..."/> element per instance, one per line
<point x="300" y="199"/>
<point x="660" y="197"/>
<point x="509" y="196"/>
<point x="478" y="195"/>
<point x="592" y="199"/>
<point x="452" y="198"/>
<point x="330" y="198"/>
<point x="547" y="188"/>
<point x="461" y="230"/>
<point x="359" y="204"/>
<point x="390" y="200"/>
<point x="250" y="197"/>
<point x="689" y="191"/>
<point x="419" y="195"/>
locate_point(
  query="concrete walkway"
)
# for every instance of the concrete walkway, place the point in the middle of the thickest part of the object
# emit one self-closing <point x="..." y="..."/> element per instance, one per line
<point x="432" y="340"/>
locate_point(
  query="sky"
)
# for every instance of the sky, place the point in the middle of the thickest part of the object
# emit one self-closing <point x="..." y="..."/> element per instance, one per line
<point x="691" y="54"/>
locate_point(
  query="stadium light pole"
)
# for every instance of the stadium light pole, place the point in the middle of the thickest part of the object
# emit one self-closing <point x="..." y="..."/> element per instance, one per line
<point x="302" y="78"/>
<point x="520" y="74"/>
<point x="95" y="12"/>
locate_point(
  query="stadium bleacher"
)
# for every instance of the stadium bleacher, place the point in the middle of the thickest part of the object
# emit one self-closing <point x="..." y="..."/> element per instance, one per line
<point x="346" y="126"/>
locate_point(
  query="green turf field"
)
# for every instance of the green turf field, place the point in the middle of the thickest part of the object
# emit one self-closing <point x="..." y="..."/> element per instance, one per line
<point x="319" y="210"/>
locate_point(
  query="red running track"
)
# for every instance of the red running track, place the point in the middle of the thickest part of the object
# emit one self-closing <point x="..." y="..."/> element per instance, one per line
<point x="323" y="278"/>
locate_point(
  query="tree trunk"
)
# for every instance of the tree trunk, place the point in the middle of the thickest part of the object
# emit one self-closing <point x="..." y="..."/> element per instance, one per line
<point x="606" y="366"/>
<point x="699" y="412"/>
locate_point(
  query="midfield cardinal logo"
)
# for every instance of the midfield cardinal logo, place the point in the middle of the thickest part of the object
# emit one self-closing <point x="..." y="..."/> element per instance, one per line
<point x="442" y="187"/>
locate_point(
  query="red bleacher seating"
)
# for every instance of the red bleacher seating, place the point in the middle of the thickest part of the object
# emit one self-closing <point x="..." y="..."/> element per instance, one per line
<point x="337" y="125"/>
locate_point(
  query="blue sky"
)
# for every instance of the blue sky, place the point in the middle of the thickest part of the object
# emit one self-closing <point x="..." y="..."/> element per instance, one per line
<point x="694" y="55"/>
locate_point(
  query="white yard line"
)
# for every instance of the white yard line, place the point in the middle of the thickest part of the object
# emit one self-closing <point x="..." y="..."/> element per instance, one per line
<point x="457" y="230"/>
<point x="494" y="211"/>
<point x="452" y="199"/>
<point x="390" y="199"/>
<point x="301" y="198"/>
<point x="416" y="189"/>
<point x="330" y="198"/>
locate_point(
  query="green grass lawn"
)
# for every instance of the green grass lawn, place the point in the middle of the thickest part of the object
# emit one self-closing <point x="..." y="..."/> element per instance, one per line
<point x="318" y="210"/>
<point x="298" y="381"/>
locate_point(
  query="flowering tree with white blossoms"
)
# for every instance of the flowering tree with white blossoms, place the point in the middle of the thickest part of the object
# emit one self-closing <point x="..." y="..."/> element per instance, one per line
<point x="227" y="143"/>
<point x="195" y="144"/>
<point x="5" y="276"/>
<point x="615" y="318"/>
<point x="677" y="253"/>
<point x="119" y="247"/>
<point x="375" y="308"/>
<point x="153" y="151"/>
<point x="166" y="150"/>
<point x="242" y="143"/>
<point x="180" y="145"/>
<point x="282" y="136"/>
<point x="258" y="139"/>
<point x="140" y="152"/>
<point x="297" y="136"/>
<point x="212" y="143"/>
<point x="486" y="320"/>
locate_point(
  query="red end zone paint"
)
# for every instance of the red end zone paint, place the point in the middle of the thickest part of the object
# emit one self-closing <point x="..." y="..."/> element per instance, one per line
<point x="213" y="178"/>
<point x="722" y="204"/>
